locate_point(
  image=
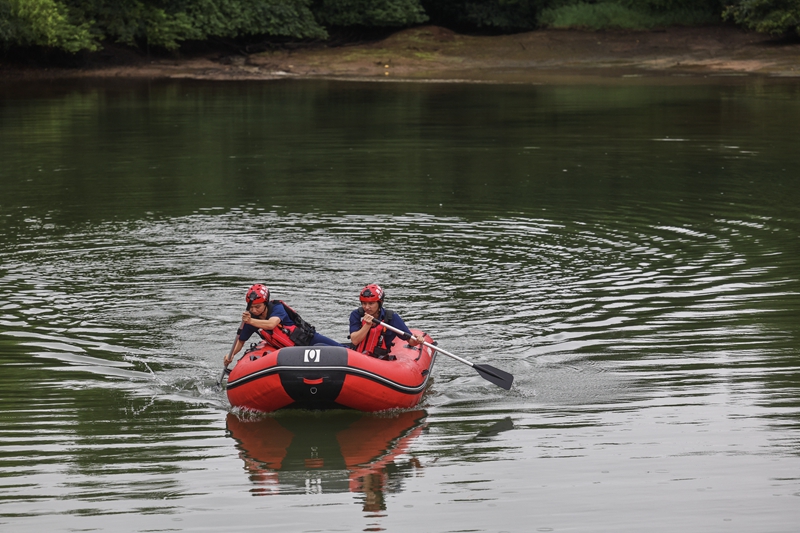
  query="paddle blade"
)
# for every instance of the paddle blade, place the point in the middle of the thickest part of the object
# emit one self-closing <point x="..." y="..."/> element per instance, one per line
<point x="495" y="375"/>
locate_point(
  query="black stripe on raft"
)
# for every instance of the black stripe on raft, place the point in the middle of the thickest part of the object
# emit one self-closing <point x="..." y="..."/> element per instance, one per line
<point x="303" y="371"/>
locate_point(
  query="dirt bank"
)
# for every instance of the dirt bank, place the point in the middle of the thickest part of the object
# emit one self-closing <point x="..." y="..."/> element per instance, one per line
<point x="433" y="53"/>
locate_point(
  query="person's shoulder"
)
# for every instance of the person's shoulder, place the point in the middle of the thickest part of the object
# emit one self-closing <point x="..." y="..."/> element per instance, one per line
<point x="277" y="308"/>
<point x="391" y="316"/>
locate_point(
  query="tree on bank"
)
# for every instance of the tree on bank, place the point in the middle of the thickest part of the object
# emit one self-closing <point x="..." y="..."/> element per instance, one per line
<point x="369" y="13"/>
<point x="46" y="23"/>
<point x="84" y="24"/>
<point x="75" y="25"/>
<point x="497" y="16"/>
<point x="775" y="17"/>
<point x="631" y="14"/>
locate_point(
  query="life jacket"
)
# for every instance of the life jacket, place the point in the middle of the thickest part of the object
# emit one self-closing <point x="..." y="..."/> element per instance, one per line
<point x="283" y="336"/>
<point x="374" y="343"/>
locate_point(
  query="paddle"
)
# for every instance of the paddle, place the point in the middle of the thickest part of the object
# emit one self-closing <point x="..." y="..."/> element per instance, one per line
<point x="490" y="373"/>
<point x="225" y="367"/>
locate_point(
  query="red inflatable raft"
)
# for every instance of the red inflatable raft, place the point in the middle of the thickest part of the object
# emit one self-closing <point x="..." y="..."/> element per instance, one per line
<point x="328" y="377"/>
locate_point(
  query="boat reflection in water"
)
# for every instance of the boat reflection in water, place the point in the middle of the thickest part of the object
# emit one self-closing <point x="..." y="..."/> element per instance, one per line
<point x="307" y="452"/>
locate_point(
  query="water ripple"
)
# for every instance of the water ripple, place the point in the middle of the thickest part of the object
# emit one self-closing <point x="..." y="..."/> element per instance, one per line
<point x="161" y="296"/>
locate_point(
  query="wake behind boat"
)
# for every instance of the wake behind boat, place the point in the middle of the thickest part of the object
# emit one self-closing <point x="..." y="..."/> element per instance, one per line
<point x="329" y="377"/>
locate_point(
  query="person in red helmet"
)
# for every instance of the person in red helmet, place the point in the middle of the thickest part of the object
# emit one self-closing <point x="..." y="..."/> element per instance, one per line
<point x="275" y="322"/>
<point x="366" y="335"/>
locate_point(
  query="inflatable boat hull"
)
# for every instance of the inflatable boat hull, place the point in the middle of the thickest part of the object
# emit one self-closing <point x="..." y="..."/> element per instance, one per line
<point x="328" y="377"/>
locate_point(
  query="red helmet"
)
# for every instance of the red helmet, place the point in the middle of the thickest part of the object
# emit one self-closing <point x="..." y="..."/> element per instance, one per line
<point x="371" y="293"/>
<point x="257" y="294"/>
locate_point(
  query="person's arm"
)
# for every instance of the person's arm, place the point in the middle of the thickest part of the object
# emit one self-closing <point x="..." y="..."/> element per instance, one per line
<point x="416" y="340"/>
<point x="236" y="347"/>
<point x="359" y="327"/>
<point x="360" y="334"/>
<point x="413" y="340"/>
<point x="270" y="323"/>
<point x="254" y="323"/>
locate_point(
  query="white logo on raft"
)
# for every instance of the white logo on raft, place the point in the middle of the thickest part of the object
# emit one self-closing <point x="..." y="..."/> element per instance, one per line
<point x="311" y="356"/>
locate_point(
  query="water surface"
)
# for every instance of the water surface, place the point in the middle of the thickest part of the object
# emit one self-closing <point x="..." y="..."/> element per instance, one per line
<point x="629" y="253"/>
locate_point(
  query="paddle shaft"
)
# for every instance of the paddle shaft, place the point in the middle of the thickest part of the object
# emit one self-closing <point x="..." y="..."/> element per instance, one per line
<point x="405" y="335"/>
<point x="225" y="367"/>
<point x="501" y="378"/>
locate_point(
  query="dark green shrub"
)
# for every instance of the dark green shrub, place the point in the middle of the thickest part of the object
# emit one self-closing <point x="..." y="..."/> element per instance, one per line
<point x="631" y="14"/>
<point x="74" y="25"/>
<point x="493" y="15"/>
<point x="775" y="17"/>
<point x="166" y="23"/>
<point x="369" y="13"/>
<point x="47" y="23"/>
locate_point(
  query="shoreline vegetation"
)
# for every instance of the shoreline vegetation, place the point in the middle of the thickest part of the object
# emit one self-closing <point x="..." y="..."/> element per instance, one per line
<point x="432" y="53"/>
<point x="508" y="41"/>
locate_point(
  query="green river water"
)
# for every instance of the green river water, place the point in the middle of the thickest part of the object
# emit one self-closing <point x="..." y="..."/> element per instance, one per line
<point x="630" y="253"/>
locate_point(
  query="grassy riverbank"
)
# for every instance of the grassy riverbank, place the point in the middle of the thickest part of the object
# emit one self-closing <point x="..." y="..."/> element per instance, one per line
<point x="434" y="53"/>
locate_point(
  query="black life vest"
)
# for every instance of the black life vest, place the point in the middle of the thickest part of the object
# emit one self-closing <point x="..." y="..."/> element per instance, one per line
<point x="282" y="336"/>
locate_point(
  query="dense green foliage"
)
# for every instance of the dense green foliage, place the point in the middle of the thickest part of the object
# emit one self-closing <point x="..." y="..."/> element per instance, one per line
<point x="82" y="24"/>
<point x="631" y="14"/>
<point x="166" y="23"/>
<point x="776" y="17"/>
<point x="44" y="23"/>
<point x="515" y="15"/>
<point x="501" y="15"/>
<point x="369" y="13"/>
<point x="74" y="25"/>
